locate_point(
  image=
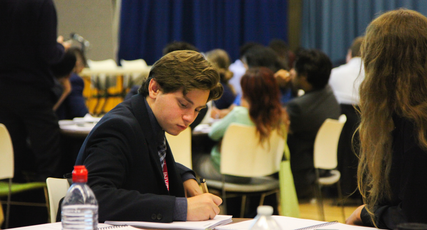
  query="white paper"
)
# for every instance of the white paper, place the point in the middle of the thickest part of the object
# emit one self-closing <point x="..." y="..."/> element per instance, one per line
<point x="206" y="224"/>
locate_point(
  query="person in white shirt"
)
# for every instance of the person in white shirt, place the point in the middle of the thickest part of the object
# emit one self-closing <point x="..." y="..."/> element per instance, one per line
<point x="345" y="81"/>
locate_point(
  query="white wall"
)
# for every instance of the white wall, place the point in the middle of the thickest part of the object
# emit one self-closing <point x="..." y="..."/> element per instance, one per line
<point x="92" y="19"/>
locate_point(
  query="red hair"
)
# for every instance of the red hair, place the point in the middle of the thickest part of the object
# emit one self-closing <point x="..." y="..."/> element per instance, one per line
<point x="262" y="93"/>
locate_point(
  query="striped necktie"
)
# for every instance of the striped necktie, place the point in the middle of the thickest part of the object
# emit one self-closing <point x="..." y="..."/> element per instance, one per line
<point x="161" y="150"/>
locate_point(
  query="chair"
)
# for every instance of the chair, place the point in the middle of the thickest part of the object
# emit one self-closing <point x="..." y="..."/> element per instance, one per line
<point x="181" y="147"/>
<point x="56" y="190"/>
<point x="325" y="157"/>
<point x="102" y="80"/>
<point x="135" y="78"/>
<point x="242" y="155"/>
<point x="7" y="172"/>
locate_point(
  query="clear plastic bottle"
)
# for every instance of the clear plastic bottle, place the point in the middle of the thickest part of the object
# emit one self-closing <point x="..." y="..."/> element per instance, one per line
<point x="80" y="207"/>
<point x="263" y="220"/>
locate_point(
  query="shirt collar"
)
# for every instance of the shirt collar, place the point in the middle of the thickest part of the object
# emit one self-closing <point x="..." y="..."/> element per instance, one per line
<point x="159" y="133"/>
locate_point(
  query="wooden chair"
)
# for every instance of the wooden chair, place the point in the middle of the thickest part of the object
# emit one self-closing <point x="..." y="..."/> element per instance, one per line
<point x="242" y="155"/>
<point x="56" y="189"/>
<point x="7" y="188"/>
<point x="326" y="157"/>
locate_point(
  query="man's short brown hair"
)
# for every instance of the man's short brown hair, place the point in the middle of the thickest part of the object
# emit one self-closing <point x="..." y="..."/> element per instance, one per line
<point x="184" y="70"/>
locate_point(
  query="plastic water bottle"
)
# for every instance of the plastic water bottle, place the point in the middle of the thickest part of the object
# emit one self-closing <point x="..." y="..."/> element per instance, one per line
<point x="263" y="220"/>
<point x="80" y="207"/>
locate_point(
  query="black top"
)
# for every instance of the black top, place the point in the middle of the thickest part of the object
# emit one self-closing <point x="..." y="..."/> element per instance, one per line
<point x="408" y="181"/>
<point x="28" y="41"/>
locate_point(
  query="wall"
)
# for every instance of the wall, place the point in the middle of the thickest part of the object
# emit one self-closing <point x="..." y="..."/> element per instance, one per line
<point x="92" y="19"/>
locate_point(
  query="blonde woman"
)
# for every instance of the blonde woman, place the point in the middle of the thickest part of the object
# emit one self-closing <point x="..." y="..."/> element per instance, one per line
<point x="392" y="173"/>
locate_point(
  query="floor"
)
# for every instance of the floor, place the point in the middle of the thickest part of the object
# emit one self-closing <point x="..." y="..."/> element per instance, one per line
<point x="309" y="210"/>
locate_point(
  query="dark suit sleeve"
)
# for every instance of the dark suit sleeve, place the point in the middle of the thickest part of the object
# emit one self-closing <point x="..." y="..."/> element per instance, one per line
<point x="185" y="172"/>
<point x="123" y="175"/>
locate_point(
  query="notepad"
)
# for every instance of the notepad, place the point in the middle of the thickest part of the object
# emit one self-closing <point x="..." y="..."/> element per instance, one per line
<point x="206" y="224"/>
<point x="295" y="224"/>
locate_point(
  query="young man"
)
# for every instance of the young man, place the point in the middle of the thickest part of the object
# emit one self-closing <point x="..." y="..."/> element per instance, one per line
<point x="307" y="113"/>
<point x="131" y="173"/>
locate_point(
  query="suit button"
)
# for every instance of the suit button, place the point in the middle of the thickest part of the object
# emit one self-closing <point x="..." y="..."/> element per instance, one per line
<point x="159" y="216"/>
<point x="153" y="216"/>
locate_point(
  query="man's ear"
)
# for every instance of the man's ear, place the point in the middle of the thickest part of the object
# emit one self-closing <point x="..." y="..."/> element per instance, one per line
<point x="153" y="88"/>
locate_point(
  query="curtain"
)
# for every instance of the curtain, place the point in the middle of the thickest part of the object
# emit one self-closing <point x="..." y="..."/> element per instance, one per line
<point x="146" y="26"/>
<point x="331" y="25"/>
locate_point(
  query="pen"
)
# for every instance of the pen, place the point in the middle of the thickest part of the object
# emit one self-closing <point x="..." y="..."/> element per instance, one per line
<point x="204" y="185"/>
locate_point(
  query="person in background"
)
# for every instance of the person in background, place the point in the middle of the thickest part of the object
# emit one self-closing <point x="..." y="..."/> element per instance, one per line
<point x="29" y="46"/>
<point x="255" y="56"/>
<point x="178" y="45"/>
<point x="260" y="107"/>
<point x="238" y="68"/>
<point x="62" y="71"/>
<point x="392" y="172"/>
<point x="74" y="105"/>
<point x="307" y="113"/>
<point x="282" y="50"/>
<point x="221" y="61"/>
<point x="345" y="82"/>
<point x="131" y="167"/>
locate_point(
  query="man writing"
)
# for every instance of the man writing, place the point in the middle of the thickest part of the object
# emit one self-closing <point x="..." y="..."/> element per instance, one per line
<point x="131" y="168"/>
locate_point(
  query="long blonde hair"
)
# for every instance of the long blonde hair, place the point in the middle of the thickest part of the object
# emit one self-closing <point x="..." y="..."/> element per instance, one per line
<point x="395" y="58"/>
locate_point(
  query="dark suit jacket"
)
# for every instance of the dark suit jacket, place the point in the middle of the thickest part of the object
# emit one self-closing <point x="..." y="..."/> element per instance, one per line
<point x="307" y="113"/>
<point x="120" y="154"/>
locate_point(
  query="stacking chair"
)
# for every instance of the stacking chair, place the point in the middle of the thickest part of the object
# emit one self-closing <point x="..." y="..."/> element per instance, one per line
<point x="242" y="155"/>
<point x="103" y="80"/>
<point x="325" y="157"/>
<point x="56" y="189"/>
<point x="134" y="78"/>
<point x="181" y="147"/>
<point x="7" y="188"/>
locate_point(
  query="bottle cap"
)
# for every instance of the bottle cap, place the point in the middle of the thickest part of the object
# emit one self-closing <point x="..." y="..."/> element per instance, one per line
<point x="265" y="210"/>
<point x="79" y="174"/>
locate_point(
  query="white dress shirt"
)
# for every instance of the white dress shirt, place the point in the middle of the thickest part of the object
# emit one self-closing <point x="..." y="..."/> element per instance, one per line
<point x="345" y="81"/>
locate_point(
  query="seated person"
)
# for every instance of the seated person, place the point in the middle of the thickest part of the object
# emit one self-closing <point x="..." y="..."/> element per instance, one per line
<point x="62" y="72"/>
<point x="221" y="61"/>
<point x="131" y="167"/>
<point x="260" y="107"/>
<point x="258" y="56"/>
<point x="74" y="105"/>
<point x="307" y="113"/>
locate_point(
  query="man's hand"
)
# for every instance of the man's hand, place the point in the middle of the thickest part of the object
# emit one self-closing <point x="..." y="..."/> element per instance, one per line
<point x="354" y="218"/>
<point x="66" y="44"/>
<point x="282" y="77"/>
<point x="203" y="207"/>
<point x="192" y="188"/>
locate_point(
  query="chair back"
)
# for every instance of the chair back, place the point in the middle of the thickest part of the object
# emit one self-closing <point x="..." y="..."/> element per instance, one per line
<point x="181" y="147"/>
<point x="102" y="80"/>
<point x="133" y="64"/>
<point x="57" y="189"/>
<point x="326" y="143"/>
<point x="108" y="64"/>
<point x="6" y="154"/>
<point x="137" y="77"/>
<point x="243" y="155"/>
